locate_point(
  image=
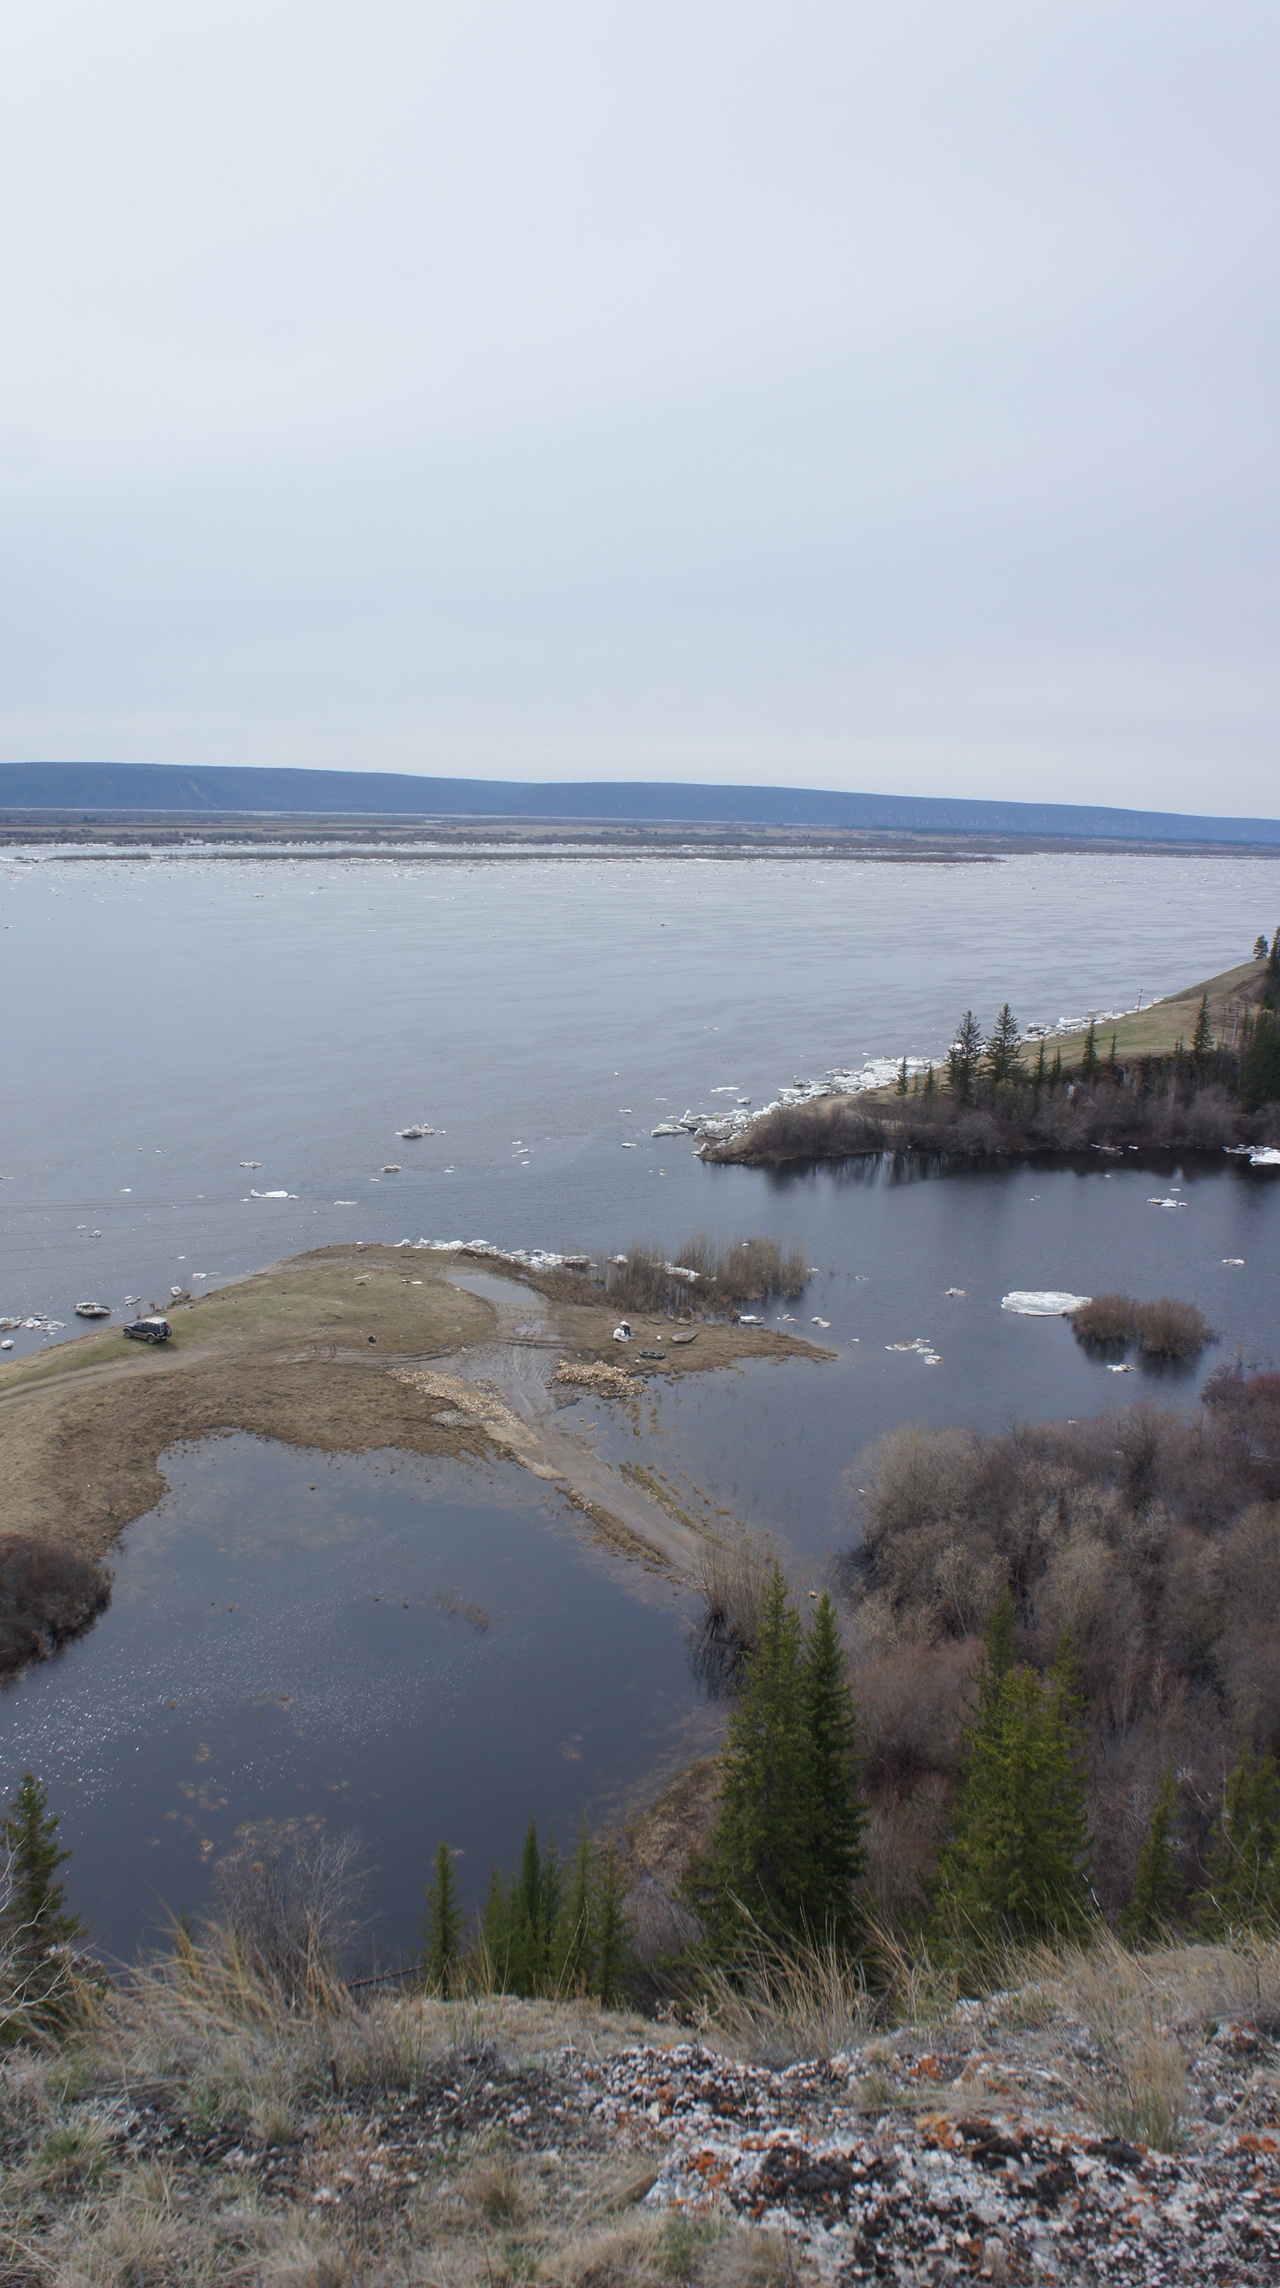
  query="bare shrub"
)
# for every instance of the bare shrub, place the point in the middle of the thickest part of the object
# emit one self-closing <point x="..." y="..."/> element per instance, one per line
<point x="47" y="1594"/>
<point x="287" y="1897"/>
<point x="703" y="1276"/>
<point x="1168" y="1329"/>
<point x="1106" y="1319"/>
<point x="732" y="1574"/>
<point x="911" y="1705"/>
<point x="902" y="1835"/>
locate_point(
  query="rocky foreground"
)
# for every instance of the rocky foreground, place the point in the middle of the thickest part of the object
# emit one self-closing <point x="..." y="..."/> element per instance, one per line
<point x="985" y="2150"/>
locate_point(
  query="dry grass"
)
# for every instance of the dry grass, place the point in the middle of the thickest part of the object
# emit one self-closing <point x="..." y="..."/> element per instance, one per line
<point x="732" y="1573"/>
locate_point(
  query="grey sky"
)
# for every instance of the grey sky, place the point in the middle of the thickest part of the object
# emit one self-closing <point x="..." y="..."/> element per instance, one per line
<point x="843" y="395"/>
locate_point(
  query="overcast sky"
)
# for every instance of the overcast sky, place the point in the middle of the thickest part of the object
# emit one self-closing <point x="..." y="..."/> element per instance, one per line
<point x="837" y="395"/>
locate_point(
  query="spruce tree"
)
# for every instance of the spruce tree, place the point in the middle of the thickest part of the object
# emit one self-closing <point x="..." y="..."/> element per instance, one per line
<point x="757" y="1872"/>
<point x="930" y="1084"/>
<point x="1243" y="1887"/>
<point x="963" y="1058"/>
<point x="527" y="1951"/>
<point x="1003" y="1052"/>
<point x="1016" y="1865"/>
<point x="573" y="1951"/>
<point x="1157" y="1885"/>
<point x="1040" y="1071"/>
<point x="1202" y="1038"/>
<point x="835" y="1853"/>
<point x="610" y="1932"/>
<point x="442" y="1928"/>
<point x="1089" y="1055"/>
<point x="36" y="1929"/>
<point x="495" y="1929"/>
<point x="900" y="1086"/>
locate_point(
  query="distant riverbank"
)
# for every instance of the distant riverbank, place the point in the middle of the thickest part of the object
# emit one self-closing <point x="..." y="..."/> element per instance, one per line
<point x="1191" y="1073"/>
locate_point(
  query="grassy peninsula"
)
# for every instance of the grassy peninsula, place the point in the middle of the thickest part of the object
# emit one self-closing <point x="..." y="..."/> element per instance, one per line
<point x="1196" y="1072"/>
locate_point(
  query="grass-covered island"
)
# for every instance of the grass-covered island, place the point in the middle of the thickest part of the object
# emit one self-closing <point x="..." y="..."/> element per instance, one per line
<point x="1196" y="1072"/>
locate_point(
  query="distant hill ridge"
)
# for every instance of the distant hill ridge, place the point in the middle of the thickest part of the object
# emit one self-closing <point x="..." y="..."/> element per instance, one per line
<point x="224" y="789"/>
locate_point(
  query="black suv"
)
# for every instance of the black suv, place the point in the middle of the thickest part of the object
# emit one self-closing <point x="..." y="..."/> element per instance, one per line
<point x="151" y="1330"/>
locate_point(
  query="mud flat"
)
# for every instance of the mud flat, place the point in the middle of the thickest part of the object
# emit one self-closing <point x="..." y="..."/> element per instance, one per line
<point x="348" y="1350"/>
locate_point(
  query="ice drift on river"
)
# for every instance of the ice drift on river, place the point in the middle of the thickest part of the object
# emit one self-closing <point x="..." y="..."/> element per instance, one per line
<point x="1041" y="1302"/>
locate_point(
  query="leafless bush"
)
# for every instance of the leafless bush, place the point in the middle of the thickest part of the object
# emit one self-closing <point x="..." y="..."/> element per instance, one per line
<point x="703" y="1276"/>
<point x="1169" y="1329"/>
<point x="1106" y="1319"/>
<point x="732" y="1574"/>
<point x="287" y="1897"/>
<point x="1142" y="1535"/>
<point x="47" y="1594"/>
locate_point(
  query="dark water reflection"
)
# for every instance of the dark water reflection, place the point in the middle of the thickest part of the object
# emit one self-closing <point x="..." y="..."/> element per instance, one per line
<point x="297" y="1637"/>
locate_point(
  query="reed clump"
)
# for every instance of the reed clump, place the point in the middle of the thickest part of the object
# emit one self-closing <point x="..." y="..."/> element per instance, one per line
<point x="704" y="1277"/>
<point x="1165" y="1328"/>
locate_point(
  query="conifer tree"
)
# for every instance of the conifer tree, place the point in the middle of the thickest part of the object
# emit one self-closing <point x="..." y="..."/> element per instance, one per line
<point x="495" y="1930"/>
<point x="36" y="1928"/>
<point x="900" y="1085"/>
<point x="963" y="1058"/>
<point x="1113" y="1062"/>
<point x="930" y="1084"/>
<point x="1003" y="1052"/>
<point x="1202" y="1038"/>
<point x="1016" y="1865"/>
<point x="442" y="1927"/>
<point x="1056" y="1074"/>
<point x="610" y="1932"/>
<point x="573" y="1955"/>
<point x="1040" y="1071"/>
<point x="1089" y="1055"/>
<point x="1157" y="1885"/>
<point x="1243" y="1887"/>
<point x="835" y="1853"/>
<point x="757" y="1872"/>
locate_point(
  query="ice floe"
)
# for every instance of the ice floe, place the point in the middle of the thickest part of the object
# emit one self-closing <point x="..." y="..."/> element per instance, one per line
<point x="1042" y="1302"/>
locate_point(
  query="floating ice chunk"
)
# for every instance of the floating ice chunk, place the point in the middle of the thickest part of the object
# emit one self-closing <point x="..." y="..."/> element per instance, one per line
<point x="271" y="1195"/>
<point x="953" y="1291"/>
<point x="750" y="1319"/>
<point x="251" y="1163"/>
<point x="815" y="1321"/>
<point x="1236" y="1262"/>
<point x="1167" y="1202"/>
<point x="730" y="1091"/>
<point x="1265" y="1156"/>
<point x="416" y="1130"/>
<point x="630" y="1147"/>
<point x="666" y="1128"/>
<point x="5" y="1324"/>
<point x="1042" y="1302"/>
<point x="7" y="1344"/>
<point x="344" y="1203"/>
<point x="1119" y="1370"/>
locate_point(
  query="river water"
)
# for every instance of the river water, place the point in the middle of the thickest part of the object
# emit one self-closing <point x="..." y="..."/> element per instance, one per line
<point x="167" y="1020"/>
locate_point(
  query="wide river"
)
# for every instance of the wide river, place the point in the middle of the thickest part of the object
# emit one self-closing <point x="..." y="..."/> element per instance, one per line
<point x="420" y="1652"/>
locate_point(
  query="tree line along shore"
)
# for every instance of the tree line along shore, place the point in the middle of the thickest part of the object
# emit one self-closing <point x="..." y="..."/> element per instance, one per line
<point x="1197" y="1072"/>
